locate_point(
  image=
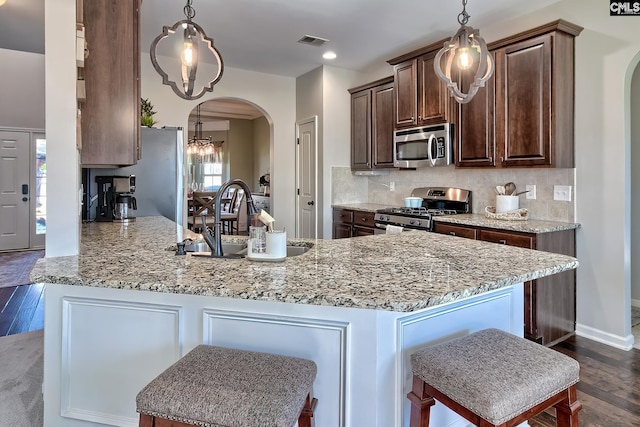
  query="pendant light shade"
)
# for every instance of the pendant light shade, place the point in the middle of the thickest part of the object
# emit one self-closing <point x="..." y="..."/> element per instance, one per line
<point x="466" y="55"/>
<point x="193" y="38"/>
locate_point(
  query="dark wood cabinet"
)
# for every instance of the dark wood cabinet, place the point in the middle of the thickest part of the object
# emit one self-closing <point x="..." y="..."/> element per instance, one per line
<point x="110" y="115"/>
<point x="352" y="223"/>
<point x="372" y="125"/>
<point x="549" y="302"/>
<point x="524" y="114"/>
<point x="421" y="98"/>
<point x="474" y="128"/>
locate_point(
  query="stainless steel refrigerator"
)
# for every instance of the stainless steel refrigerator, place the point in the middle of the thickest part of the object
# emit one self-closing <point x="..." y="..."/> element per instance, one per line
<point x="159" y="175"/>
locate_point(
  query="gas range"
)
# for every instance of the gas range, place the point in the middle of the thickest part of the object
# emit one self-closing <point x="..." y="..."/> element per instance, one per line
<point x="435" y="201"/>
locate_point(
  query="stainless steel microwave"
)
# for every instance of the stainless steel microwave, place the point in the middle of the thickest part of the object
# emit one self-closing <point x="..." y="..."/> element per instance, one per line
<point x="423" y="146"/>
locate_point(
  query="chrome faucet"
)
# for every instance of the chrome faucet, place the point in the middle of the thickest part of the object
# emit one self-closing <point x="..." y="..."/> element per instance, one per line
<point x="215" y="241"/>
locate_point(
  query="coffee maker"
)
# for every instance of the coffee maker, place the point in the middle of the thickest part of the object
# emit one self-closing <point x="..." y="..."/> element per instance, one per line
<point x="115" y="198"/>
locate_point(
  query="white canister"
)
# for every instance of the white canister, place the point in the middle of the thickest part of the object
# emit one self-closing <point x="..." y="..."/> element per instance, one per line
<point x="277" y="244"/>
<point x="507" y="203"/>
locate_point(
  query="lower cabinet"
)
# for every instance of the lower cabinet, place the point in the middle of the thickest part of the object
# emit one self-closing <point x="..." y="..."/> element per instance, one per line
<point x="352" y="223"/>
<point x="550" y="302"/>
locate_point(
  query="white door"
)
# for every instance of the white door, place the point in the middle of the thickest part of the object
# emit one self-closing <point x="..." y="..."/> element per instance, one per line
<point x="14" y="190"/>
<point x="306" y="180"/>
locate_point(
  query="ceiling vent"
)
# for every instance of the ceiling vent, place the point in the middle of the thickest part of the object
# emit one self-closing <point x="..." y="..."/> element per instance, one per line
<point x="313" y="40"/>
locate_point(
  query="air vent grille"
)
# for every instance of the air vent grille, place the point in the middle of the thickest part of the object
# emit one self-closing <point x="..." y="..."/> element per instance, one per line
<point x="312" y="40"/>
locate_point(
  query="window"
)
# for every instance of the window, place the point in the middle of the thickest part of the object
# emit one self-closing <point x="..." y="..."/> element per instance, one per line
<point x="212" y="176"/>
<point x="41" y="186"/>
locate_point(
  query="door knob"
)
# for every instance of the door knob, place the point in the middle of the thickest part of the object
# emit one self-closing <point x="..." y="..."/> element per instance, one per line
<point x="310" y="203"/>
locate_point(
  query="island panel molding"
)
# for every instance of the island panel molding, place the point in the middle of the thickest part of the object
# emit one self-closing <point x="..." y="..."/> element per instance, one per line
<point x="113" y="326"/>
<point x="324" y="341"/>
<point x="500" y="308"/>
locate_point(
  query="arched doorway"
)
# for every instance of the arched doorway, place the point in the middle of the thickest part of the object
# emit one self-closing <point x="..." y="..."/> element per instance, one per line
<point x="635" y="202"/>
<point x="230" y="138"/>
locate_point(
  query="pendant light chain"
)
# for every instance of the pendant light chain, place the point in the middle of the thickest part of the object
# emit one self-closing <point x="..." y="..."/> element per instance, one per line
<point x="189" y="11"/>
<point x="463" y="17"/>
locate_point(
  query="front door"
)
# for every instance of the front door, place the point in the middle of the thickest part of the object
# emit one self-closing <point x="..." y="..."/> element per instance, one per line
<point x="14" y="190"/>
<point x="307" y="208"/>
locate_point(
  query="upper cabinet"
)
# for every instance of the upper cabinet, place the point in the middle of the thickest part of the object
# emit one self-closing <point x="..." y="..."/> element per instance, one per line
<point x="524" y="116"/>
<point x="372" y="125"/>
<point x="110" y="115"/>
<point x="421" y="98"/>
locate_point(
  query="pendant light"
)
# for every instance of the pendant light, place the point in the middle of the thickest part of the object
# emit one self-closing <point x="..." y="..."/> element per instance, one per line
<point x="190" y="55"/>
<point x="465" y="51"/>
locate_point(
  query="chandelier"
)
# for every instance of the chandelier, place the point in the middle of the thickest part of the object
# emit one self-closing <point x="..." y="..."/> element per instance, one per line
<point x="204" y="148"/>
<point x="464" y="51"/>
<point x="190" y="56"/>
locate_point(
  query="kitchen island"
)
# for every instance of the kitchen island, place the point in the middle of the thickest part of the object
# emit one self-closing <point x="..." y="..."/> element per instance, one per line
<point x="126" y="308"/>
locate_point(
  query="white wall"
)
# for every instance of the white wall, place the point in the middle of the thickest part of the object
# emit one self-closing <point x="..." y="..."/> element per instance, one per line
<point x="274" y="95"/>
<point x="22" y="89"/>
<point x="336" y="129"/>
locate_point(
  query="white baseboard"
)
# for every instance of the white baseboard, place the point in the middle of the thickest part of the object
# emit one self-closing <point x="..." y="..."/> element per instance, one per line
<point x="624" y="343"/>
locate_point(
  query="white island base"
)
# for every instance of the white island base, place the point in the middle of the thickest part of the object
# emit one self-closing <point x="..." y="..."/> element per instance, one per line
<point x="103" y="345"/>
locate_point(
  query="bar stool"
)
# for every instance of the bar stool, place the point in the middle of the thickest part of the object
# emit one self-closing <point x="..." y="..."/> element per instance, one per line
<point x="493" y="378"/>
<point x="224" y="387"/>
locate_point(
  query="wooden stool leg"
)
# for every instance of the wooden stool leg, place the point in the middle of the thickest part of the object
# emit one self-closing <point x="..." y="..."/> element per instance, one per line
<point x="306" y="416"/>
<point x="567" y="409"/>
<point x="421" y="404"/>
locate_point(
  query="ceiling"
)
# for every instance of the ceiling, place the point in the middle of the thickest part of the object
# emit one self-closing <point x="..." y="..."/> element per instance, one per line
<point x="262" y="35"/>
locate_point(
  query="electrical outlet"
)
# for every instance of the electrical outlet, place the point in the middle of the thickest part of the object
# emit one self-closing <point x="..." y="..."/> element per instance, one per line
<point x="562" y="193"/>
<point x="531" y="191"/>
<point x="392" y="186"/>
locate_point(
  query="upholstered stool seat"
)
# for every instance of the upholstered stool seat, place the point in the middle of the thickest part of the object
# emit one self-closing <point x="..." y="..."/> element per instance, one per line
<point x="223" y="387"/>
<point x="493" y="378"/>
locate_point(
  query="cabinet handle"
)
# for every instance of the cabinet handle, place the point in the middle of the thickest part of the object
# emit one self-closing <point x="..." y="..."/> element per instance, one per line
<point x="452" y="233"/>
<point x="412" y="118"/>
<point x="503" y="242"/>
<point x="419" y="117"/>
<point x="490" y="159"/>
<point x="502" y="159"/>
<point x="364" y="219"/>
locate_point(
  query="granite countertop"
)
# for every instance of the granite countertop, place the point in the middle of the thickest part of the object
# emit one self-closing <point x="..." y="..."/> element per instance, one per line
<point x="366" y="207"/>
<point x="403" y="272"/>
<point x="530" y="226"/>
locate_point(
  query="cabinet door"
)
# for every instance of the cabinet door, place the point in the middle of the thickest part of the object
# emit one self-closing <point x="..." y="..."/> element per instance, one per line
<point x="406" y="79"/>
<point x="382" y="125"/>
<point x="362" y="231"/>
<point x="523" y="108"/>
<point x="341" y="231"/>
<point x="433" y="96"/>
<point x="455" y="230"/>
<point x="474" y="131"/>
<point x="111" y="113"/>
<point x="361" y="130"/>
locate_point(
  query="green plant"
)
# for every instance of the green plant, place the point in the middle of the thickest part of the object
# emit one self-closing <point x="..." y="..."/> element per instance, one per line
<point x="146" y="113"/>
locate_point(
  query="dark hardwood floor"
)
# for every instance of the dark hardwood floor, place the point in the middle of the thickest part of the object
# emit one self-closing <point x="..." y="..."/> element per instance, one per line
<point x="609" y="386"/>
<point x="21" y="309"/>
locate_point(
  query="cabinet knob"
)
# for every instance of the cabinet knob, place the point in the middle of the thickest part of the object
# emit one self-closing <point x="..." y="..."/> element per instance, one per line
<point x="502" y="159"/>
<point x="491" y="159"/>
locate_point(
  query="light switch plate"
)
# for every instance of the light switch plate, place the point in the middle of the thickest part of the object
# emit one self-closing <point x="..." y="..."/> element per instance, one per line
<point x="531" y="191"/>
<point x="392" y="186"/>
<point x="562" y="193"/>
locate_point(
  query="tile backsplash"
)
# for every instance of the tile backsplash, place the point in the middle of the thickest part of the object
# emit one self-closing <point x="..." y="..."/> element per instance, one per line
<point x="349" y="188"/>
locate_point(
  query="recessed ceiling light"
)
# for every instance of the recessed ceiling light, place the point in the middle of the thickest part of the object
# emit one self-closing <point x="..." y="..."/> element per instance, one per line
<point x="329" y="55"/>
<point x="2" y="2"/>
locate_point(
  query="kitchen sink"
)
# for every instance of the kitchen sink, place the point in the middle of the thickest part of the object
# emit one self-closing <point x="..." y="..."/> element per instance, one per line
<point x="227" y="248"/>
<point x="237" y="249"/>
